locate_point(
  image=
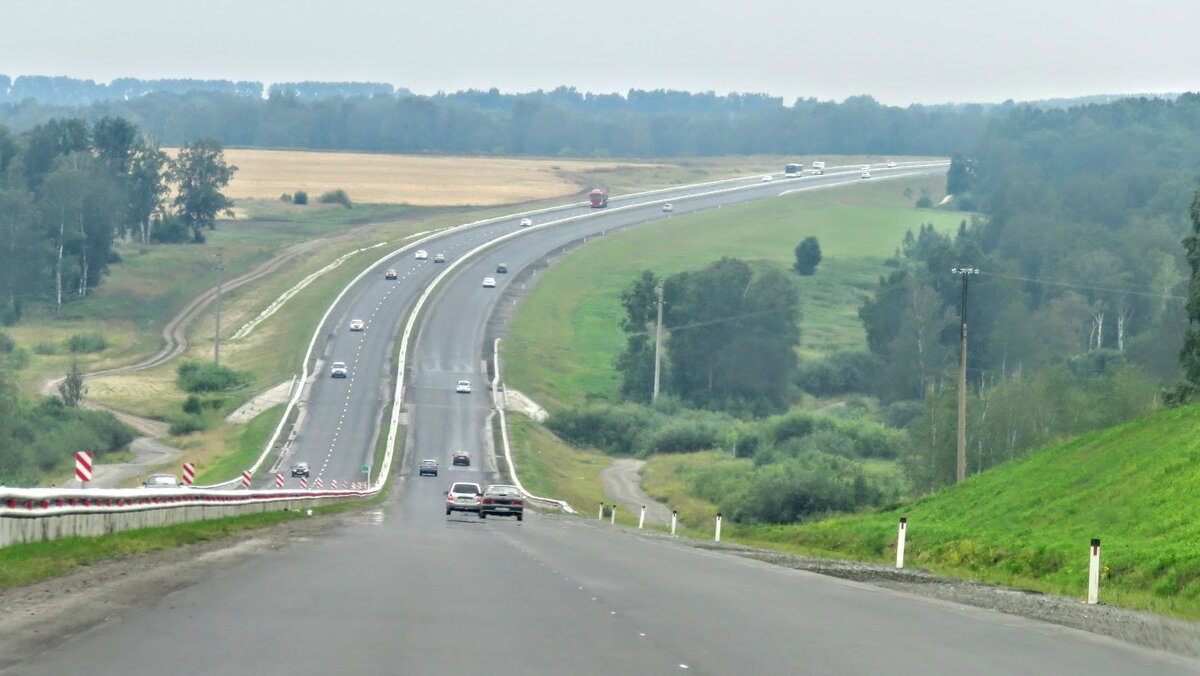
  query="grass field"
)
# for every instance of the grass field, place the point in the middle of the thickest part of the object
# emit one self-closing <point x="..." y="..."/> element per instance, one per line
<point x="566" y="333"/>
<point x="410" y="179"/>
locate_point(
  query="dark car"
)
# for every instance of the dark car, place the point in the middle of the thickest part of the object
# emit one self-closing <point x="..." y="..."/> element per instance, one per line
<point x="502" y="268"/>
<point x="463" y="497"/>
<point x="462" y="458"/>
<point x="300" y="469"/>
<point x="427" y="468"/>
<point x="502" y="500"/>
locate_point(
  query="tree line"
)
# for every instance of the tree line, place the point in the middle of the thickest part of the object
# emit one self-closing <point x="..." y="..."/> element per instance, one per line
<point x="69" y="190"/>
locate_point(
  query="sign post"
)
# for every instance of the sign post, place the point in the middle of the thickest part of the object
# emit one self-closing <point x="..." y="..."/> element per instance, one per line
<point x="83" y="467"/>
<point x="189" y="473"/>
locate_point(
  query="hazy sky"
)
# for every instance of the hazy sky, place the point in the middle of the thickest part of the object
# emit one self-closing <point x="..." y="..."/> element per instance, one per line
<point x="898" y="51"/>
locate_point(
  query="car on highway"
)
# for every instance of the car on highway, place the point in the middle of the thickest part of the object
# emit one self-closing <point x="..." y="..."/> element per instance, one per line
<point x="891" y="165"/>
<point x="439" y="258"/>
<point x="427" y="467"/>
<point x="463" y="496"/>
<point x="463" y="387"/>
<point x="502" y="500"/>
<point x="338" y="370"/>
<point x="526" y="222"/>
<point x="390" y="274"/>
<point x="422" y="254"/>
<point x="300" y="469"/>
<point x="461" y="458"/>
<point x="767" y="178"/>
<point x="502" y="269"/>
<point x="161" y="481"/>
<point x="489" y="282"/>
<point x="668" y="208"/>
<point x="865" y="173"/>
<point x="357" y="325"/>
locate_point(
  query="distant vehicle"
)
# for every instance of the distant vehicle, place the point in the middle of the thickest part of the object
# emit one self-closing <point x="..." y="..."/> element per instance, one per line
<point x="818" y="168"/>
<point x="463" y="497"/>
<point x="422" y="254"/>
<point x="461" y="458"/>
<point x="668" y="208"/>
<point x="793" y="171"/>
<point x="502" y="269"/>
<point x="357" y="325"/>
<point x="161" y="481"/>
<point x="338" y="370"/>
<point x="865" y="173"/>
<point x="390" y="274"/>
<point x="428" y="467"/>
<point x="891" y="165"/>
<point x="598" y="198"/>
<point x="489" y="282"/>
<point x="439" y="258"/>
<point x="463" y="387"/>
<point x="767" y="178"/>
<point x="300" y="469"/>
<point x="526" y="222"/>
<point x="502" y="500"/>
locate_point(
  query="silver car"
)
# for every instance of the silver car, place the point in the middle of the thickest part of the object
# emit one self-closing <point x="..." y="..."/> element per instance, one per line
<point x="463" y="497"/>
<point x="161" y="481"/>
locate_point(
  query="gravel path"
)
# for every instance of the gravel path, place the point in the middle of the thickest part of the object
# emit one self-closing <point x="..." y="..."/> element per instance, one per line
<point x="623" y="484"/>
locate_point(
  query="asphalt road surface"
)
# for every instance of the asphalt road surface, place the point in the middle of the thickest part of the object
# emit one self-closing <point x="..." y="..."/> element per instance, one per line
<point x="408" y="590"/>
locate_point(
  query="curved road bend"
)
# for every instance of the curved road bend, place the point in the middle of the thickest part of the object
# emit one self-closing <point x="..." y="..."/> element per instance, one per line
<point x="409" y="591"/>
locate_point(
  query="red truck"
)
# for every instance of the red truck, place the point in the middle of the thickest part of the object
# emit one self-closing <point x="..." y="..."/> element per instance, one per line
<point x="599" y="198"/>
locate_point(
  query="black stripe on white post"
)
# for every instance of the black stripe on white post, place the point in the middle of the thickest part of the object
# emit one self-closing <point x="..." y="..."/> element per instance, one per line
<point x="674" y="520"/>
<point x="642" y="518"/>
<point x="900" y="542"/>
<point x="1094" y="573"/>
<point x="717" y="537"/>
<point x="613" y="520"/>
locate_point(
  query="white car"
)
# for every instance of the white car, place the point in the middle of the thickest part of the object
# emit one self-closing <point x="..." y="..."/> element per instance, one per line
<point x="463" y="387"/>
<point x="866" y="173"/>
<point x="161" y="481"/>
<point x="767" y="178"/>
<point x="526" y="222"/>
<point x="891" y="165"/>
<point x="338" y="370"/>
<point x="357" y="325"/>
<point x="422" y="254"/>
<point x="489" y="282"/>
<point x="668" y="208"/>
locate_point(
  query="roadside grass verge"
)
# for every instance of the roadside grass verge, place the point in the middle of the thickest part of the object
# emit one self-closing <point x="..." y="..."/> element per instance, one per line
<point x="1025" y="524"/>
<point x="550" y="468"/>
<point x="247" y="442"/>
<point x="566" y="334"/>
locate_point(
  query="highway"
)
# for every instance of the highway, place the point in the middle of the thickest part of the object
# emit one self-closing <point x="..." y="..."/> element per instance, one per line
<point x="407" y="590"/>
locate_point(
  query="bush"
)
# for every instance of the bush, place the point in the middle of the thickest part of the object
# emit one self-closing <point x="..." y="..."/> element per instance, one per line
<point x="924" y="202"/>
<point x="187" y="424"/>
<point x="286" y="198"/>
<point x="86" y="342"/>
<point x="170" y="229"/>
<point x="196" y="377"/>
<point x="45" y="348"/>
<point x="682" y="436"/>
<point x="338" y="196"/>
<point x="6" y="343"/>
<point x="617" y="429"/>
<point x="301" y="198"/>
<point x="192" y="406"/>
<point x="812" y="485"/>
<point x="839" y="373"/>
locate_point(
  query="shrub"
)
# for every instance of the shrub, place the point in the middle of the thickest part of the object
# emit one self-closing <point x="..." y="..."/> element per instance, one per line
<point x="196" y="377"/>
<point x="814" y="484"/>
<point x="301" y="198"/>
<point x="338" y="196"/>
<point x="45" y="348"/>
<point x="86" y="342"/>
<point x="839" y="373"/>
<point x="170" y="229"/>
<point x="192" y="406"/>
<point x="683" y="436"/>
<point x="617" y="429"/>
<point x="286" y="198"/>
<point x="6" y="343"/>
<point x="924" y="202"/>
<point x="187" y="424"/>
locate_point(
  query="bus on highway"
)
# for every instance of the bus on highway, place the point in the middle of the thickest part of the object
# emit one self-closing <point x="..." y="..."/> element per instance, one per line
<point x="793" y="171"/>
<point x="599" y="198"/>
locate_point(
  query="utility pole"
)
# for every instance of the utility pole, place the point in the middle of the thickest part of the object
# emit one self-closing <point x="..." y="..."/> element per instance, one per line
<point x="961" y="472"/>
<point x="217" y="332"/>
<point x="657" y="344"/>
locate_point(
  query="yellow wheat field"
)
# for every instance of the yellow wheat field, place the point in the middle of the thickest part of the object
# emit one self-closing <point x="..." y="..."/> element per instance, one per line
<point x="405" y="179"/>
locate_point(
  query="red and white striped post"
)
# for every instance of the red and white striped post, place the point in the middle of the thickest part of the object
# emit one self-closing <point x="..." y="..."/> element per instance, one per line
<point x="189" y="473"/>
<point x="246" y="479"/>
<point x="900" y="542"/>
<point x="333" y="484"/>
<point x="717" y="538"/>
<point x="613" y="519"/>
<point x="1094" y="573"/>
<point x="642" y="517"/>
<point x="83" y="466"/>
<point x="600" y="516"/>
<point x="320" y="483"/>
<point x="279" y="480"/>
<point x="674" y="520"/>
<point x="304" y="482"/>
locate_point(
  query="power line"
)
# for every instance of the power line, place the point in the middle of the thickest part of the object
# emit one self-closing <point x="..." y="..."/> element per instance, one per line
<point x="1089" y="287"/>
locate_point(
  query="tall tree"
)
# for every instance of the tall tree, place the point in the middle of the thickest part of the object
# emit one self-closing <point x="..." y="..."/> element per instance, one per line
<point x="1189" y="356"/>
<point x="960" y="175"/>
<point x="72" y="388"/>
<point x="636" y="361"/>
<point x="808" y="256"/>
<point x="200" y="173"/>
<point x="147" y="188"/>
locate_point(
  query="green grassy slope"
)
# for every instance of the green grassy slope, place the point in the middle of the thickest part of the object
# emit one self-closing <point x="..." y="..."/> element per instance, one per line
<point x="1028" y="523"/>
<point x="567" y="332"/>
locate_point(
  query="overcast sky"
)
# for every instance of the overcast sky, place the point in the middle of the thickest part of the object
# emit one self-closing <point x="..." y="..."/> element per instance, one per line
<point x="898" y="51"/>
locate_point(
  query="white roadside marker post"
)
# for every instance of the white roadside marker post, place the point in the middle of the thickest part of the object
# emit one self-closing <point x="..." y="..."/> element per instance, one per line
<point x="674" y="519"/>
<point x="613" y="519"/>
<point x="600" y="517"/>
<point x="642" y="518"/>
<point x="1094" y="573"/>
<point x="900" y="542"/>
<point x="717" y="538"/>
